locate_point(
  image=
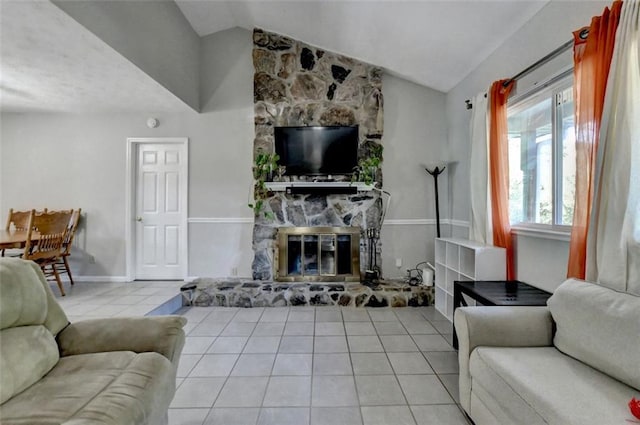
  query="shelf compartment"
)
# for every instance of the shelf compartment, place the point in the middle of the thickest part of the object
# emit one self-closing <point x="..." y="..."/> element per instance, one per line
<point x="453" y="258"/>
<point x="441" y="301"/>
<point x="452" y="276"/>
<point x="449" y="310"/>
<point x="441" y="251"/>
<point x="441" y="276"/>
<point x="467" y="261"/>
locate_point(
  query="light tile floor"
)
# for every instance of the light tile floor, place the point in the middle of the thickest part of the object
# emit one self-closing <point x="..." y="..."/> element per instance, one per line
<point x="317" y="366"/>
<point x="298" y="365"/>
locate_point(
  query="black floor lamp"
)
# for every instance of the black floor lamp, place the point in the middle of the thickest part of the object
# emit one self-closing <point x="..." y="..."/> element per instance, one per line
<point x="435" y="173"/>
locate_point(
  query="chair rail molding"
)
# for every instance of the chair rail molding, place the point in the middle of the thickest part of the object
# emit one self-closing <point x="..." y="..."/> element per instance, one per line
<point x="387" y="222"/>
<point x="221" y="220"/>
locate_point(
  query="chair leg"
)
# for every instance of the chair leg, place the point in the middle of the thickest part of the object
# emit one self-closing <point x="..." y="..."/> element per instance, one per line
<point x="66" y="266"/>
<point x="55" y="273"/>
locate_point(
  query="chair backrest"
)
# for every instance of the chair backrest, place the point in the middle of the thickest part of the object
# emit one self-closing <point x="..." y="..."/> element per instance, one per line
<point x="19" y="219"/>
<point x="71" y="231"/>
<point x="52" y="228"/>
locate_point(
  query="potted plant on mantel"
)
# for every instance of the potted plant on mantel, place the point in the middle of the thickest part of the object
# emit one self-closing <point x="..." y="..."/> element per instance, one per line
<point x="367" y="168"/>
<point x="263" y="169"/>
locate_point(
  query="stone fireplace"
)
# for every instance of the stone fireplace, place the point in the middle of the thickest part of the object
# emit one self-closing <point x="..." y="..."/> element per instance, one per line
<point x="296" y="84"/>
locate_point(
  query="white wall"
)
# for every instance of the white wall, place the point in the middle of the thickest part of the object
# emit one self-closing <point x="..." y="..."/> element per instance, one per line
<point x="415" y="135"/>
<point x="547" y="30"/>
<point x="79" y="160"/>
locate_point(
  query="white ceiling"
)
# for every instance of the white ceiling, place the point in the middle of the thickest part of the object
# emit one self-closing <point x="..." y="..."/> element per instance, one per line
<point x="49" y="62"/>
<point x="432" y="43"/>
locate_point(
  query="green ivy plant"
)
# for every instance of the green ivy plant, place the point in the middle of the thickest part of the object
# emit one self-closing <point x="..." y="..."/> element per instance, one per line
<point x="367" y="168"/>
<point x="263" y="168"/>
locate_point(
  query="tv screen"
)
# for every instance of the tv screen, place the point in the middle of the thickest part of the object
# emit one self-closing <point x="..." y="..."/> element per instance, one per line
<point x="317" y="150"/>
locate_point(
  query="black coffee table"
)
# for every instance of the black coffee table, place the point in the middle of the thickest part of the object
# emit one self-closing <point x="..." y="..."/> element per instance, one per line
<point x="496" y="292"/>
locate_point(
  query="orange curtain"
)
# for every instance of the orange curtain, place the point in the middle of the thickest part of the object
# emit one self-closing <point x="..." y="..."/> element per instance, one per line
<point x="499" y="170"/>
<point x="592" y="59"/>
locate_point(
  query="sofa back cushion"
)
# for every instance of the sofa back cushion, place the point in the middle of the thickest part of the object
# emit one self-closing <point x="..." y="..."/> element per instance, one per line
<point x="23" y="301"/>
<point x="28" y="349"/>
<point x="27" y="353"/>
<point x="598" y="326"/>
<point x="26" y="298"/>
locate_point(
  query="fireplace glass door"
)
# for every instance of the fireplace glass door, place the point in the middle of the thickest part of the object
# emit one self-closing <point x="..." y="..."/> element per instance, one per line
<point x="310" y="255"/>
<point x="318" y="253"/>
<point x="328" y="255"/>
<point x="294" y="255"/>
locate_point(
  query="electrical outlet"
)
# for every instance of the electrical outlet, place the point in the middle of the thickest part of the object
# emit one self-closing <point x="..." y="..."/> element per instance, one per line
<point x="398" y="262"/>
<point x="234" y="271"/>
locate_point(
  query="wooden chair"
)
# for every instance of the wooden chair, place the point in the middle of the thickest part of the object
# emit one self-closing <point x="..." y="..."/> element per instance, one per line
<point x="52" y="228"/>
<point x="62" y="265"/>
<point x="19" y="220"/>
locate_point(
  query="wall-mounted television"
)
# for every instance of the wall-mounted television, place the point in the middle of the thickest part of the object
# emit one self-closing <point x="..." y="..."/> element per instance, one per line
<point x="309" y="151"/>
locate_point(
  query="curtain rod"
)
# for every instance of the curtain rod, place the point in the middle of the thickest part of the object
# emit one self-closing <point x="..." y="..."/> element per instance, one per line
<point x="583" y="35"/>
<point x="539" y="62"/>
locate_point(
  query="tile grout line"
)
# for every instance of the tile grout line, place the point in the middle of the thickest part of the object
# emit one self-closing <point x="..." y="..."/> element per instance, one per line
<point x="229" y="375"/>
<point x="353" y="372"/>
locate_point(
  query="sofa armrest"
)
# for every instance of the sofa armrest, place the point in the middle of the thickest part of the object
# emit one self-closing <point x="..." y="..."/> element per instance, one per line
<point x="160" y="334"/>
<point x="498" y="326"/>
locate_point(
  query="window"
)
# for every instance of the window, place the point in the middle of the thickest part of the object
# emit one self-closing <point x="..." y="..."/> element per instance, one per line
<point x="542" y="156"/>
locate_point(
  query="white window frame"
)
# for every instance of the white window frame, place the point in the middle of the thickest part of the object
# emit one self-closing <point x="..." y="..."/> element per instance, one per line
<point x="552" y="85"/>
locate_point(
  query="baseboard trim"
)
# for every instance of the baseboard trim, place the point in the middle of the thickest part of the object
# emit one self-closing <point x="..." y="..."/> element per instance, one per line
<point x="112" y="279"/>
<point x="97" y="279"/>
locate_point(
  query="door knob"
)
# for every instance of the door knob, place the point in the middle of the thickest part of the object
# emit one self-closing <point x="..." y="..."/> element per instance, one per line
<point x="138" y="218"/>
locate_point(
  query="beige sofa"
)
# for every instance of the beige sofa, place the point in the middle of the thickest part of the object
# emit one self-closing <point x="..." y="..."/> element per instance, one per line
<point x="106" y="371"/>
<point x="576" y="361"/>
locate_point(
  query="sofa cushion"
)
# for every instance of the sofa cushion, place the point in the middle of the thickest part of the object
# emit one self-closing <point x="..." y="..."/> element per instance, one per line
<point x="27" y="353"/>
<point x="115" y="388"/>
<point x="27" y="298"/>
<point x="24" y="300"/>
<point x="540" y="385"/>
<point x="599" y="327"/>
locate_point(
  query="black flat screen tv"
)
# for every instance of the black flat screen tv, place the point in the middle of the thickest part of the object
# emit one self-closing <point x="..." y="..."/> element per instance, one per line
<point x="316" y="151"/>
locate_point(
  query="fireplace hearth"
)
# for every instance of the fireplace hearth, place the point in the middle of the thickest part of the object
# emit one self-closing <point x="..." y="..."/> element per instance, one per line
<point x="246" y="293"/>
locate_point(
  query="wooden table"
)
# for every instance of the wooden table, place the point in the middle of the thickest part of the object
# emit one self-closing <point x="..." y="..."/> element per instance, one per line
<point x="15" y="238"/>
<point x="497" y="292"/>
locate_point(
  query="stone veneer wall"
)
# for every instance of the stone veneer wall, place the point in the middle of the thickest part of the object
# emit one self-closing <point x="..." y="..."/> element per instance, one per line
<point x="299" y="85"/>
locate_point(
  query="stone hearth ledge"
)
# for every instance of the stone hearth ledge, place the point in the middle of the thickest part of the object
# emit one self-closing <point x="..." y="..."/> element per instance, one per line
<point x="238" y="292"/>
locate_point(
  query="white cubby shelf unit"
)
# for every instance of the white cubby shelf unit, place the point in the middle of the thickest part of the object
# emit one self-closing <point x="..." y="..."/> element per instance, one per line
<point x="462" y="259"/>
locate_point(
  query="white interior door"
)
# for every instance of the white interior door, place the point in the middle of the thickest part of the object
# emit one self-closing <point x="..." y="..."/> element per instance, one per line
<point x="160" y="211"/>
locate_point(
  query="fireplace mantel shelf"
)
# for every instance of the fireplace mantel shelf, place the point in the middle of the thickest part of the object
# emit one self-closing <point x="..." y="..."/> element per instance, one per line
<point x="285" y="186"/>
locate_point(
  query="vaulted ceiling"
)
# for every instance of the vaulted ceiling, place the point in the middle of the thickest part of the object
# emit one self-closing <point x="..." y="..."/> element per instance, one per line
<point x="435" y="43"/>
<point x="49" y="62"/>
